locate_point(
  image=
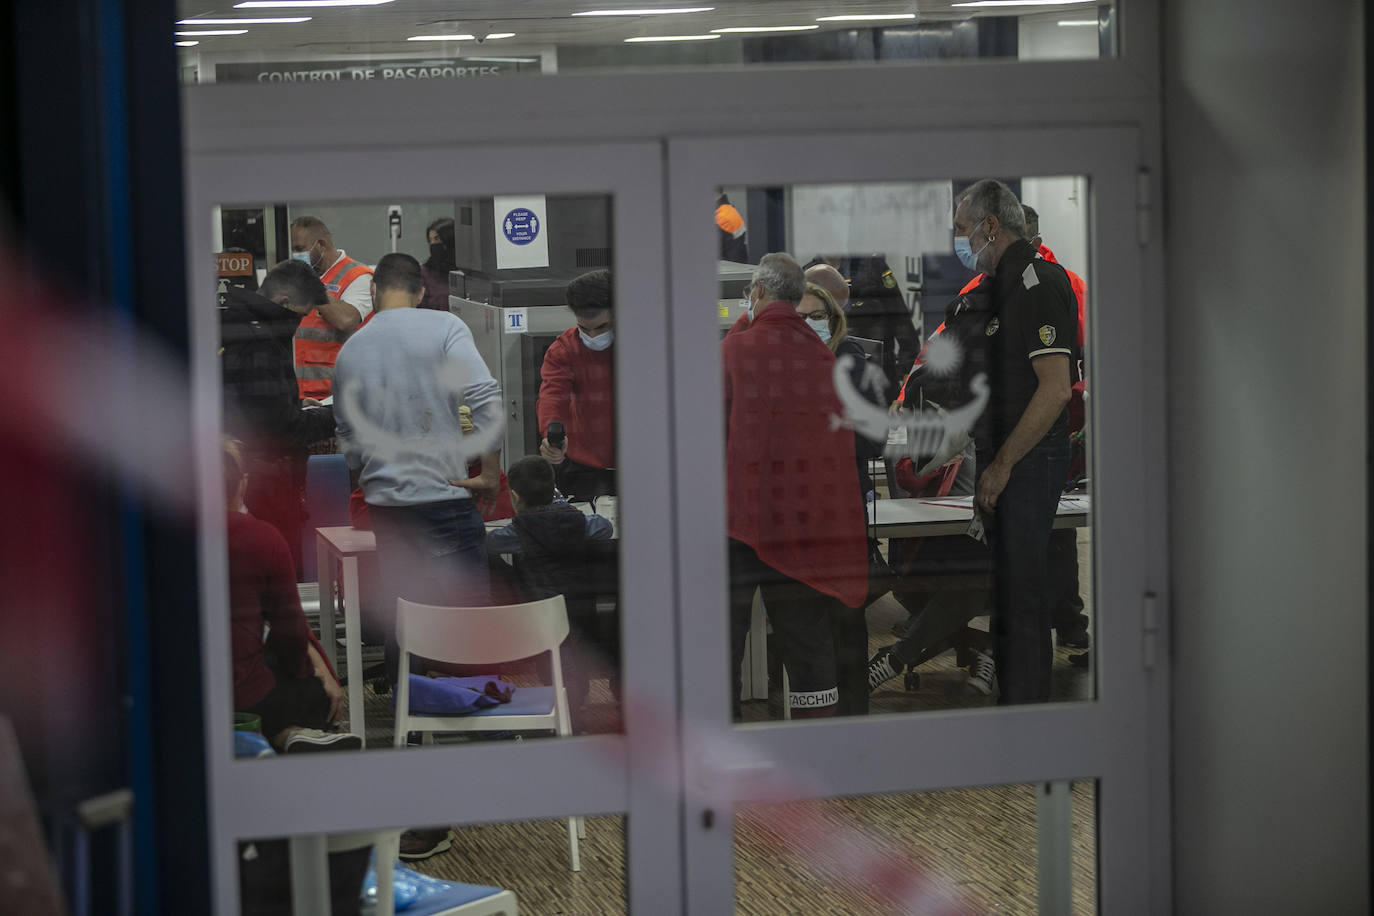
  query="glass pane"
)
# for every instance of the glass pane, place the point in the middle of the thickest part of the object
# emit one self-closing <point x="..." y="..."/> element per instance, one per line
<point x="419" y="405"/>
<point x="871" y="383"/>
<point x="988" y="850"/>
<point x="405" y="40"/>
<point x="522" y="864"/>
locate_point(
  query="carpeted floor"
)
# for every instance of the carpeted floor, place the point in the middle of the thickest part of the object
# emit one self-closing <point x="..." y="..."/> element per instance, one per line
<point x="974" y="848"/>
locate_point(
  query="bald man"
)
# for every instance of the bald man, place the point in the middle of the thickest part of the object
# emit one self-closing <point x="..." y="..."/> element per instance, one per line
<point x="831" y="280"/>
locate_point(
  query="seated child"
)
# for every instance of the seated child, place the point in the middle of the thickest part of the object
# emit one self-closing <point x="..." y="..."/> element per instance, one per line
<point x="549" y="540"/>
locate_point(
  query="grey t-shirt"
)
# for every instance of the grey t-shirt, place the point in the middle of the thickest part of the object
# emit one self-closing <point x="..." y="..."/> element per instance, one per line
<point x="398" y="384"/>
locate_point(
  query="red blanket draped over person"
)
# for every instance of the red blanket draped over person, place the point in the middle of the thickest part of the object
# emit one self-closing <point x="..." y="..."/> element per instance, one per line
<point x="791" y="480"/>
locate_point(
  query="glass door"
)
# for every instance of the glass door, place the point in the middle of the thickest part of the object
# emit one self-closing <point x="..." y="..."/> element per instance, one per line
<point x="980" y="748"/>
<point x="543" y="254"/>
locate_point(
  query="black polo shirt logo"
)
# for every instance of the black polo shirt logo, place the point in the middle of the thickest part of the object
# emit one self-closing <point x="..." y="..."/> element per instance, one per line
<point x="1047" y="334"/>
<point x="993" y="325"/>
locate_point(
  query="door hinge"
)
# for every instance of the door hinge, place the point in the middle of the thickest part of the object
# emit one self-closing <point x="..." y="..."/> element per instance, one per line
<point x="1149" y="626"/>
<point x="1142" y="207"/>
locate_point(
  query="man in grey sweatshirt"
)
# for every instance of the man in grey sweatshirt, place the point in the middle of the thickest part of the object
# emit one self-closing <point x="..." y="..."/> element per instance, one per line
<point x="398" y="385"/>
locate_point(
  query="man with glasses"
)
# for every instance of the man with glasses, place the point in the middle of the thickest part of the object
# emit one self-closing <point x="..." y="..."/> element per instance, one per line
<point x="796" y="523"/>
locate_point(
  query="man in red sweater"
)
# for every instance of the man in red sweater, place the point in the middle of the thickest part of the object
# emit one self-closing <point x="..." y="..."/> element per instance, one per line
<point x="577" y="389"/>
<point x="796" y="523"/>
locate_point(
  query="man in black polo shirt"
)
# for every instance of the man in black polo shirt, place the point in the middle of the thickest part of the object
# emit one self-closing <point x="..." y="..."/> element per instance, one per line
<point x="1022" y="438"/>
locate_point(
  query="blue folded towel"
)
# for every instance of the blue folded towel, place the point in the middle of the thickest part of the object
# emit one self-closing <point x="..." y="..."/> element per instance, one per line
<point x="455" y="696"/>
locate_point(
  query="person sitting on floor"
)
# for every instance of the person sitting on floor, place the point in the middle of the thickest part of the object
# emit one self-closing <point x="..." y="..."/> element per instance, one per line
<point x="282" y="677"/>
<point x="549" y="540"/>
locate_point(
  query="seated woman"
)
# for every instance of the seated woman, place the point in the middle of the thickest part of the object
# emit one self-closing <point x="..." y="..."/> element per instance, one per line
<point x="279" y="671"/>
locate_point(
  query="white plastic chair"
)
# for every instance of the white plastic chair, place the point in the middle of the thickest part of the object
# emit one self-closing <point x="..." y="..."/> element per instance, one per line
<point x="488" y="636"/>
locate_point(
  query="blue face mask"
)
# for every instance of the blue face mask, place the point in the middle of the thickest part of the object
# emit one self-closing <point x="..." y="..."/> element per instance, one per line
<point x="964" y="251"/>
<point x="600" y="342"/>
<point x="822" y="328"/>
<point x="303" y="256"/>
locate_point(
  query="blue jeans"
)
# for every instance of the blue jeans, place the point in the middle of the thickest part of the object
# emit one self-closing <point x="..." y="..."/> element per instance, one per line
<point x="432" y="553"/>
<point x="1019" y="534"/>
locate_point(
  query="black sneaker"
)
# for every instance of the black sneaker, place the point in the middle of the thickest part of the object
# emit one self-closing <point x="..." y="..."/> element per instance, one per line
<point x="882" y="667"/>
<point x="421" y="844"/>
<point x="311" y="740"/>
<point x="1073" y="639"/>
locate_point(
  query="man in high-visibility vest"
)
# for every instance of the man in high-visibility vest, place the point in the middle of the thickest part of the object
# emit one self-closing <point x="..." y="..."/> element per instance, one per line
<point x="324" y="330"/>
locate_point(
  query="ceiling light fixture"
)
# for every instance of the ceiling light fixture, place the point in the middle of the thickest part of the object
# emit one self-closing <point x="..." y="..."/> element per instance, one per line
<point x="493" y="36"/>
<point x="203" y="33"/>
<point x="684" y="9"/>
<point x="672" y="38"/>
<point x="768" y="28"/>
<point x="1091" y="22"/>
<point x="1021" y="3"/>
<point x="504" y="60"/>
<point x="185" y="44"/>
<point x="242" y="21"/>
<point x="277" y="4"/>
<point x="867" y="17"/>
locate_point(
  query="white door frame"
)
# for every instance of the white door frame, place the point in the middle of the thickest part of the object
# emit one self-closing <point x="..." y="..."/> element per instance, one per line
<point x="1107" y="739"/>
<point x="606" y="133"/>
<point x="607" y="774"/>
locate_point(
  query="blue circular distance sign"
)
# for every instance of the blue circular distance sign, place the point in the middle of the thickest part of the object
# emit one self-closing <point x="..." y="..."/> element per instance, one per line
<point x="521" y="226"/>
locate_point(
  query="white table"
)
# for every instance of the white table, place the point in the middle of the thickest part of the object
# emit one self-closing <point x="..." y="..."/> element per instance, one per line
<point x="344" y="544"/>
<point x="895" y="518"/>
<point x="935" y="517"/>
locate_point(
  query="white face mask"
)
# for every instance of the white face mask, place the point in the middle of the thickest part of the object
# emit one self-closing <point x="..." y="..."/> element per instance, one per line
<point x="601" y="342"/>
<point x="822" y="328"/>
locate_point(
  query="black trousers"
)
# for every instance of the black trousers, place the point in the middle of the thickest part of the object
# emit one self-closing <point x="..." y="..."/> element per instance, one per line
<point x="801" y="619"/>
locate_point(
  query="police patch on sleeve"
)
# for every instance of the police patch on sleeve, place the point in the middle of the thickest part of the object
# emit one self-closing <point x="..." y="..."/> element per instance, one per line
<point x="992" y="327"/>
<point x="889" y="281"/>
<point x="1047" y="334"/>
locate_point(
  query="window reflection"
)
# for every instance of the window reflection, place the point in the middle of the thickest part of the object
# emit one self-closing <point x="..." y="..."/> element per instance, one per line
<point x="876" y="415"/>
<point x="341" y="45"/>
<point x="426" y="414"/>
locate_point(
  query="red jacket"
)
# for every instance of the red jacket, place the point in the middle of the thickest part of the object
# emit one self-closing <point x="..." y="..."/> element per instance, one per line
<point x="578" y="389"/>
<point x="791" y="479"/>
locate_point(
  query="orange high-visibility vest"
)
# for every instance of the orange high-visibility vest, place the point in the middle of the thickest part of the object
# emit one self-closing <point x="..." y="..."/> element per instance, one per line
<point x="317" y="342"/>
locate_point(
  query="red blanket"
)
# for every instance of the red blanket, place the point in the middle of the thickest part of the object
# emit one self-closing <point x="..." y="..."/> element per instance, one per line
<point x="791" y="479"/>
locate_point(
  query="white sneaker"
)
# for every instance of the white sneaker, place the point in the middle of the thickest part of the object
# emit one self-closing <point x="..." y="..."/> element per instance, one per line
<point x="982" y="675"/>
<point x="309" y="740"/>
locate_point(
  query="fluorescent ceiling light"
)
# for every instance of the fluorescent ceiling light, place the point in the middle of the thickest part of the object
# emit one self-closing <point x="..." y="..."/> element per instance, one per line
<point x="185" y="44"/>
<point x="504" y="60"/>
<point x="272" y="4"/>
<point x="493" y="36"/>
<point x="673" y="38"/>
<point x="214" y="32"/>
<point x="770" y="28"/>
<point x="242" y="21"/>
<point x="1022" y="2"/>
<point x="684" y="9"/>
<point x="1091" y="22"/>
<point x="868" y="17"/>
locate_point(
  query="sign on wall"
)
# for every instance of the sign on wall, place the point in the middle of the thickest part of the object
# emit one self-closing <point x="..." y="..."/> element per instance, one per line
<point x="344" y="71"/>
<point x="522" y="239"/>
